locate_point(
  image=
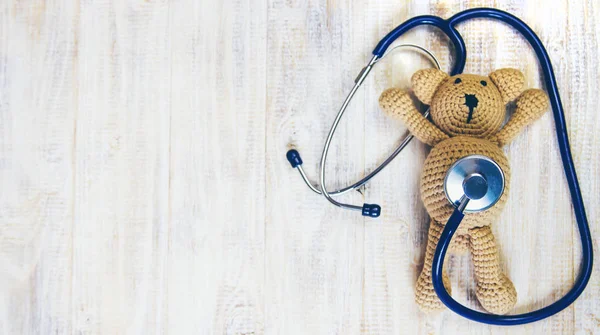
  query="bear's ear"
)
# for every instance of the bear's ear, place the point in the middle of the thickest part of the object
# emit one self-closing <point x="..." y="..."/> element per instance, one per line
<point x="426" y="82"/>
<point x="509" y="82"/>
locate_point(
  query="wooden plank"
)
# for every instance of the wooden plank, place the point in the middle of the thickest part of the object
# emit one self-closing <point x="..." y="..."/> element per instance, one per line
<point x="394" y="243"/>
<point x="38" y="90"/>
<point x="314" y="251"/>
<point x="145" y="189"/>
<point x="120" y="237"/>
<point x="217" y="193"/>
<point x="582" y="41"/>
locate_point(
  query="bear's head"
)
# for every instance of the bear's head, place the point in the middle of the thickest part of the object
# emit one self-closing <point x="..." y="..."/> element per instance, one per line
<point x="467" y="104"/>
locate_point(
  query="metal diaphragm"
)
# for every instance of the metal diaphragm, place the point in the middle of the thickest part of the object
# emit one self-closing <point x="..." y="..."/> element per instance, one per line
<point x="478" y="178"/>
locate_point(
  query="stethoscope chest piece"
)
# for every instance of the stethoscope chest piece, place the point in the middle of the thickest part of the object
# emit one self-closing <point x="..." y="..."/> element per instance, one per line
<point x="477" y="178"/>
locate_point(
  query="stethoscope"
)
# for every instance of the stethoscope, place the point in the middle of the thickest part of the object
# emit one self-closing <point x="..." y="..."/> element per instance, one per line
<point x="476" y="182"/>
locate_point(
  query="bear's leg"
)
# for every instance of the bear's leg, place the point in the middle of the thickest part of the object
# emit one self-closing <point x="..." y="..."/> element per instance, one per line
<point x="424" y="293"/>
<point x="495" y="291"/>
<point x="459" y="245"/>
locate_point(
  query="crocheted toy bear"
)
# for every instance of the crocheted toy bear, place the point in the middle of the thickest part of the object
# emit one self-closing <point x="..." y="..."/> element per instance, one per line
<point x="468" y="114"/>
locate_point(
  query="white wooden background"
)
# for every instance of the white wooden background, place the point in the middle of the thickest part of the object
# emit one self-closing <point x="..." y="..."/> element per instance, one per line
<point x="144" y="189"/>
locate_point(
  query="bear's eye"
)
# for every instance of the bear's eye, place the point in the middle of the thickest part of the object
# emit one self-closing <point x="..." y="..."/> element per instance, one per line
<point x="484" y="83"/>
<point x="457" y="81"/>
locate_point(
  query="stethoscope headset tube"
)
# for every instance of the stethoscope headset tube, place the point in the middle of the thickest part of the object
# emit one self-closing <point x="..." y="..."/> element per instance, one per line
<point x="448" y="27"/>
<point x="293" y="156"/>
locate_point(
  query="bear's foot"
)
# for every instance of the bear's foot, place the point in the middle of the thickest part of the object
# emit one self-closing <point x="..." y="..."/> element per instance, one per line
<point x="498" y="296"/>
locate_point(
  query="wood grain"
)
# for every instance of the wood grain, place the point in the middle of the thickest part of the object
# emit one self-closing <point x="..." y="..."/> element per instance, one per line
<point x="145" y="189"/>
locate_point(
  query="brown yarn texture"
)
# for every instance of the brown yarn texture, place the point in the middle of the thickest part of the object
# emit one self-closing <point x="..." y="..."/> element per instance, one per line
<point x="467" y="115"/>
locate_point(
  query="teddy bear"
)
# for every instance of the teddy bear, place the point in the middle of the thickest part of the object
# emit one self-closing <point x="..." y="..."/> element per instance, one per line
<point x="468" y="114"/>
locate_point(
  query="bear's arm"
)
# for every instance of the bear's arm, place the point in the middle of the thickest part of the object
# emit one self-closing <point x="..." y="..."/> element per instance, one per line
<point x="398" y="104"/>
<point x="531" y="105"/>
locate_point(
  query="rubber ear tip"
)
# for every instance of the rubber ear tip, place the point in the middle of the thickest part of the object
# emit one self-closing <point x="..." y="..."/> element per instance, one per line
<point x="371" y="210"/>
<point x="293" y="156"/>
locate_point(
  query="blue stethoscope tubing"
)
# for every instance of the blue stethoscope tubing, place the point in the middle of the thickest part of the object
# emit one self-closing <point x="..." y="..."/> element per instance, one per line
<point x="448" y="27"/>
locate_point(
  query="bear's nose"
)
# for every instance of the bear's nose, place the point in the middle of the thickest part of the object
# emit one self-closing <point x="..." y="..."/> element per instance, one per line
<point x="471" y="102"/>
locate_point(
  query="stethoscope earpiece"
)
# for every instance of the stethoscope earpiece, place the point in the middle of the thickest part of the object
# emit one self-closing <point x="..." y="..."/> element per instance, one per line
<point x="293" y="156"/>
<point x="371" y="210"/>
